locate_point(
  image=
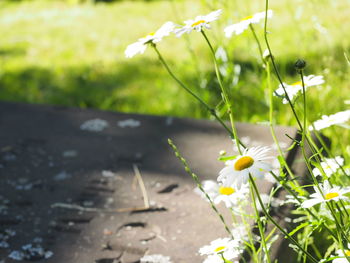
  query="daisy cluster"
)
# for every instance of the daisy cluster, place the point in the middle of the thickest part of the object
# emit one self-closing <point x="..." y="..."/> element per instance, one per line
<point x="199" y="23"/>
<point x="232" y="186"/>
<point x="232" y="189"/>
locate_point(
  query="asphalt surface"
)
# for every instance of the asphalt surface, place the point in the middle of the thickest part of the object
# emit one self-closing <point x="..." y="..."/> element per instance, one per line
<point x="69" y="193"/>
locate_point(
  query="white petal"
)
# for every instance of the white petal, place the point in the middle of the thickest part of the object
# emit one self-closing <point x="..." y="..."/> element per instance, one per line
<point x="212" y="16"/>
<point x="180" y="31"/>
<point x="255" y="172"/>
<point x="311" y="202"/>
<point x="135" y="48"/>
<point x="165" y="30"/>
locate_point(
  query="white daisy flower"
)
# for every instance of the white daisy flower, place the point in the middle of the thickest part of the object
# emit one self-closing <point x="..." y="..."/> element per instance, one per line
<point x="156" y="258"/>
<point x="329" y="166"/>
<point x="226" y="247"/>
<point x="342" y="255"/>
<point x="251" y="161"/>
<point x="140" y="46"/>
<point x="293" y="89"/>
<point x="241" y="26"/>
<point x="198" y="23"/>
<point x="338" y="118"/>
<point x="229" y="194"/>
<point x="335" y="193"/>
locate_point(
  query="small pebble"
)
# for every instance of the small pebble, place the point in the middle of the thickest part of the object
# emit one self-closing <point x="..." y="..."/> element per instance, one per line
<point x="129" y="123"/>
<point x="94" y="125"/>
<point x="70" y="153"/>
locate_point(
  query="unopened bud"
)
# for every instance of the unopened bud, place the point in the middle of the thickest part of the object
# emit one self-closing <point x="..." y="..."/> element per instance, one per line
<point x="300" y="64"/>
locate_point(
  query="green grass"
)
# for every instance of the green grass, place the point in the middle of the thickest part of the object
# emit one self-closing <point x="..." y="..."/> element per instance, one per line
<point x="58" y="53"/>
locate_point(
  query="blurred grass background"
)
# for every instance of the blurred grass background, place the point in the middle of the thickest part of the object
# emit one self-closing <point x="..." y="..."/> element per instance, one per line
<point x="72" y="53"/>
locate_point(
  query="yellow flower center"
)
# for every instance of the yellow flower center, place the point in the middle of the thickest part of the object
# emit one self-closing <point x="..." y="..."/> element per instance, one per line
<point x="247" y="18"/>
<point x="150" y="34"/>
<point x="197" y="23"/>
<point x="298" y="83"/>
<point x="331" y="196"/>
<point x="219" y="249"/>
<point x="226" y="190"/>
<point x="243" y="163"/>
<point x="347" y="253"/>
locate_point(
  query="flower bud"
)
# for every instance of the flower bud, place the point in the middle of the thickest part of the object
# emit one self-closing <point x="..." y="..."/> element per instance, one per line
<point x="300" y="64"/>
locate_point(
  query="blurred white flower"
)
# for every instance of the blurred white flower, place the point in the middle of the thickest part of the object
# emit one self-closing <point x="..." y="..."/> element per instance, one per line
<point x="156" y="258"/>
<point x="240" y="233"/>
<point x="293" y="89"/>
<point x="329" y="166"/>
<point x="226" y="247"/>
<point x="290" y="199"/>
<point x="229" y="194"/>
<point x="241" y="26"/>
<point x="140" y="46"/>
<point x="338" y="118"/>
<point x="342" y="255"/>
<point x="335" y="193"/>
<point x="198" y="23"/>
<point x="250" y="162"/>
<point x="268" y="201"/>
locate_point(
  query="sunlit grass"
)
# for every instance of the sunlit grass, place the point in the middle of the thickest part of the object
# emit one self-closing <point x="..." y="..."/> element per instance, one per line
<point x="52" y="52"/>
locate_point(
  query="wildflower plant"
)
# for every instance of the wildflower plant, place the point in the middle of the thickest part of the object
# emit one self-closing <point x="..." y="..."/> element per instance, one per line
<point x="321" y="207"/>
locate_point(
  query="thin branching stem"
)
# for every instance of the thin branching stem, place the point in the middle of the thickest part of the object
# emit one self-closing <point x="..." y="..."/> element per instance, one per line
<point x="258" y="43"/>
<point x="225" y="95"/>
<point x="196" y="179"/>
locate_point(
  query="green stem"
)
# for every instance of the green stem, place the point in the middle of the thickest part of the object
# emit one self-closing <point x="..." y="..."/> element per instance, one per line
<point x="207" y="107"/>
<point x="275" y="67"/>
<point x="327" y="149"/>
<point x="225" y="94"/>
<point x="196" y="179"/>
<point x="343" y="250"/>
<point x="332" y="156"/>
<point x="286" y="187"/>
<point x="339" y="228"/>
<point x="261" y="230"/>
<point x="279" y="76"/>
<point x="253" y="253"/>
<point x="258" y="42"/>
<point x="276" y="224"/>
<point x="304" y="108"/>
<point x="272" y="130"/>
<point x="307" y="163"/>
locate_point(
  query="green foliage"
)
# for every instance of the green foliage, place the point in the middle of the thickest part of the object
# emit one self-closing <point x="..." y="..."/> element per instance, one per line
<point x="72" y="54"/>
